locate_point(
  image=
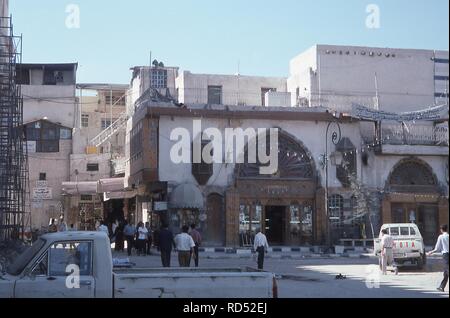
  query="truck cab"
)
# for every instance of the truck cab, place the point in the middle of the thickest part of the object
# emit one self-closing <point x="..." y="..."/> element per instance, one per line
<point x="408" y="244"/>
<point x="47" y="268"/>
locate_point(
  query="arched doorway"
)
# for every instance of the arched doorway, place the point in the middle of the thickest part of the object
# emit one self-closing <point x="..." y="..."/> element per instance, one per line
<point x="214" y="224"/>
<point x="281" y="204"/>
<point x="414" y="194"/>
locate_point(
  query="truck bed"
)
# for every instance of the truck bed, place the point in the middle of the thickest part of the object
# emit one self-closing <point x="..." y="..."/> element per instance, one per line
<point x="192" y="283"/>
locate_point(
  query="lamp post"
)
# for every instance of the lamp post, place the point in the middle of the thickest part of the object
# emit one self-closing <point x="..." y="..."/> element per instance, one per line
<point x="336" y="137"/>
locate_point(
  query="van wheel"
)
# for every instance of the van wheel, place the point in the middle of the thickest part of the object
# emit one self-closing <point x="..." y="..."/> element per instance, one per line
<point x="420" y="263"/>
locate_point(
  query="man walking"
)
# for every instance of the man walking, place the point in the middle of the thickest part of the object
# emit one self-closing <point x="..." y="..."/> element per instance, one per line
<point x="197" y="241"/>
<point x="387" y="253"/>
<point x="129" y="232"/>
<point x="165" y="243"/>
<point x="185" y="246"/>
<point x="261" y="246"/>
<point x="149" y="238"/>
<point x="442" y="247"/>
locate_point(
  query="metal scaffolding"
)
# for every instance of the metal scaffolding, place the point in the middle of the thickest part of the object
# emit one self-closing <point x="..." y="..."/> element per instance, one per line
<point x="13" y="150"/>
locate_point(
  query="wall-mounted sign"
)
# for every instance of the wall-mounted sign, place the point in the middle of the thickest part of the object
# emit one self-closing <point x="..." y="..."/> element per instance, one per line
<point x="160" y="206"/>
<point x="41" y="183"/>
<point x="43" y="193"/>
<point x="30" y="146"/>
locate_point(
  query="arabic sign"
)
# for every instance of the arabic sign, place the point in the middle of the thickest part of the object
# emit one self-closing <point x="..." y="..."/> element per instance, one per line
<point x="42" y="193"/>
<point x="432" y="113"/>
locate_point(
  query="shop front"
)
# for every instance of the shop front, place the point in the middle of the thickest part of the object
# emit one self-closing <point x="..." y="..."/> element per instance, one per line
<point x="413" y="196"/>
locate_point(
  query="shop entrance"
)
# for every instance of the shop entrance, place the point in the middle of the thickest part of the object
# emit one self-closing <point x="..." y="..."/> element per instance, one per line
<point x="274" y="225"/>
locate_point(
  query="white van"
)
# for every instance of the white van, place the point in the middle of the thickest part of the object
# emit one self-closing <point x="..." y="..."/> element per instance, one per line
<point x="408" y="244"/>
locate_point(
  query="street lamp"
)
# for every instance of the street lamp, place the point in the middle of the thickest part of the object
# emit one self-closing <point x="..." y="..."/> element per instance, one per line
<point x="336" y="137"/>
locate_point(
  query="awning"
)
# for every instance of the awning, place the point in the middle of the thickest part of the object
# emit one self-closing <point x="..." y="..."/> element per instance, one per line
<point x="77" y="188"/>
<point x="186" y="196"/>
<point x="111" y="185"/>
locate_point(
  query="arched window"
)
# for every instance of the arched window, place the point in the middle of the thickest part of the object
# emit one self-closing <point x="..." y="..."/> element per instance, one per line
<point x="294" y="161"/>
<point x="411" y="173"/>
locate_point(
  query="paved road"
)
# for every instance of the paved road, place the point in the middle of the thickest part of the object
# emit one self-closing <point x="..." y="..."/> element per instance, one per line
<point x="316" y="278"/>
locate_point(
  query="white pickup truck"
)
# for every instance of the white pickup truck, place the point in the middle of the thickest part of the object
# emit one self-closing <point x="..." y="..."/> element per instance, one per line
<point x="408" y="244"/>
<point x="46" y="270"/>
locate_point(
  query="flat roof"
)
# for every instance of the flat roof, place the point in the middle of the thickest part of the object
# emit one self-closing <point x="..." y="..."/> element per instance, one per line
<point x="103" y="86"/>
<point x="65" y="66"/>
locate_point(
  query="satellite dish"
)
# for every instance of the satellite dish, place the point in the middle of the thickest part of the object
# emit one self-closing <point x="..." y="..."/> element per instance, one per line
<point x="161" y="64"/>
<point x="155" y="63"/>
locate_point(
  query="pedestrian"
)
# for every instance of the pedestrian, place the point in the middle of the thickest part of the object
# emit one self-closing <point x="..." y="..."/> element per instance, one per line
<point x="442" y="247"/>
<point x="185" y="246"/>
<point x="52" y="227"/>
<point x="72" y="228"/>
<point x="141" y="239"/>
<point x="261" y="246"/>
<point x="103" y="228"/>
<point x="387" y="253"/>
<point x="197" y="240"/>
<point x="62" y="226"/>
<point x="149" y="238"/>
<point x="119" y="237"/>
<point x="114" y="226"/>
<point x="128" y="232"/>
<point x="166" y="243"/>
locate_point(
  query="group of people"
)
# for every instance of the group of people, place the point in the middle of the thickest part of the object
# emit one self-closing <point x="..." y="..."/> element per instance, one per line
<point x="186" y="243"/>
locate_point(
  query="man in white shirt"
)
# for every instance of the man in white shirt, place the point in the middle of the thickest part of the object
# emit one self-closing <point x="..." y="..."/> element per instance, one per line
<point x="185" y="245"/>
<point x="442" y="247"/>
<point x="261" y="246"/>
<point x="387" y="253"/>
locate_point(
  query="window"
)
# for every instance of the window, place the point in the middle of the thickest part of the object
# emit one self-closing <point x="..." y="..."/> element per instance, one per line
<point x="118" y="100"/>
<point x="63" y="254"/>
<point x="86" y="197"/>
<point x="42" y="176"/>
<point x="92" y="167"/>
<point x="394" y="231"/>
<point x="335" y="209"/>
<point x="41" y="268"/>
<point x="45" y="134"/>
<point x="106" y="123"/>
<point x="263" y="94"/>
<point x="215" y="95"/>
<point x="65" y="134"/>
<point x="244" y="219"/>
<point x="84" y="120"/>
<point x="256" y="218"/>
<point x="404" y="231"/>
<point x="412" y="231"/>
<point x="158" y="78"/>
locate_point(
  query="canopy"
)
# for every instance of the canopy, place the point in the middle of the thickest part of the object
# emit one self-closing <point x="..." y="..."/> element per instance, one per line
<point x="186" y="196"/>
<point x="80" y="188"/>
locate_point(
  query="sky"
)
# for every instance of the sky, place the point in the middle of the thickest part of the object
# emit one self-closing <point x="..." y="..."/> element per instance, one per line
<point x="212" y="36"/>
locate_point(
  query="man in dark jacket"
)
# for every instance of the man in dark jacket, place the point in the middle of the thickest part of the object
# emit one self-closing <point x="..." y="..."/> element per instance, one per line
<point x="165" y="245"/>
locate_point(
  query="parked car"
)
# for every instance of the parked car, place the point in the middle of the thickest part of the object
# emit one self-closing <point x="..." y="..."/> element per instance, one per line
<point x="47" y="270"/>
<point x="408" y="244"/>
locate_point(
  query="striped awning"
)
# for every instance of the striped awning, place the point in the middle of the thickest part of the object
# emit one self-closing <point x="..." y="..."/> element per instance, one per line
<point x="186" y="196"/>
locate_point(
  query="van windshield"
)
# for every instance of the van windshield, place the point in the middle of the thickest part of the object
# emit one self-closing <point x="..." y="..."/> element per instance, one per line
<point x="22" y="261"/>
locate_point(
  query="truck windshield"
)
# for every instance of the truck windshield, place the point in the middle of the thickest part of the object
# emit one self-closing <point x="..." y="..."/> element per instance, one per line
<point x="19" y="264"/>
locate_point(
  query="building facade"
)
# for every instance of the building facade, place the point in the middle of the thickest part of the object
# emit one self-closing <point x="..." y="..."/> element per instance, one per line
<point x="49" y="115"/>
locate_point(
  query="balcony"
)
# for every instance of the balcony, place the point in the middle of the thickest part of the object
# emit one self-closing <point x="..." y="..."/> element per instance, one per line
<point x="413" y="139"/>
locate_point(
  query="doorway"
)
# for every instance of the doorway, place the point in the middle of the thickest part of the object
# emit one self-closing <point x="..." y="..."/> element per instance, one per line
<point x="275" y="219"/>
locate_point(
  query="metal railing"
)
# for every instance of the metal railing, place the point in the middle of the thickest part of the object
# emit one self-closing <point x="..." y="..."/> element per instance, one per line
<point x="414" y="134"/>
<point x="115" y="127"/>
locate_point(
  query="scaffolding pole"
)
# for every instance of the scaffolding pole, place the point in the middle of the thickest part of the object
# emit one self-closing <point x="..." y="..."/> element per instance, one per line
<point x="14" y="194"/>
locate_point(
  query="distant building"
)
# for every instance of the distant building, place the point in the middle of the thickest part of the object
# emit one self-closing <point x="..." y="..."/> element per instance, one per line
<point x="396" y="80"/>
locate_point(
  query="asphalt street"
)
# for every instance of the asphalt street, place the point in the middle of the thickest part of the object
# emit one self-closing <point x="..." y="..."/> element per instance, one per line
<point x="316" y="277"/>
